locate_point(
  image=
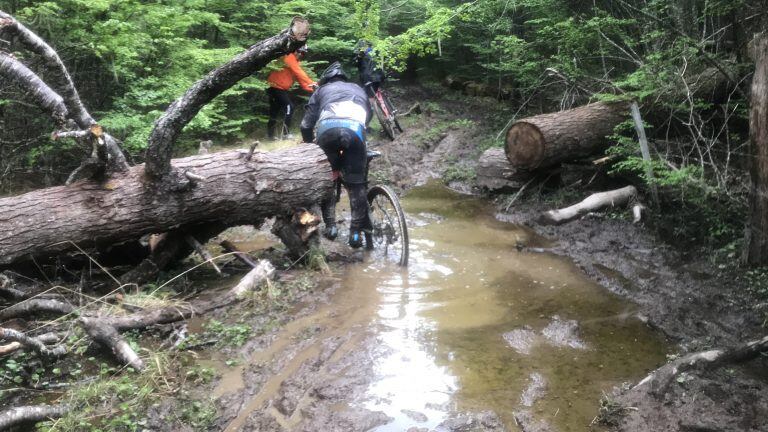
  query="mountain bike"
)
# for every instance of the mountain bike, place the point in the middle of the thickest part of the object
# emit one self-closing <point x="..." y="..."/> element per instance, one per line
<point x="384" y="110"/>
<point x="388" y="239"/>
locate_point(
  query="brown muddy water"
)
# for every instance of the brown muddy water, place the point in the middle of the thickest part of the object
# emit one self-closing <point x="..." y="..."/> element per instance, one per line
<point x="474" y="324"/>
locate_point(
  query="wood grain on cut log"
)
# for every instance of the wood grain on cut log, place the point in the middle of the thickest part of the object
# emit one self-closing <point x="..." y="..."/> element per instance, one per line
<point x="614" y="198"/>
<point x="234" y="192"/>
<point x="495" y="174"/>
<point x="548" y="139"/>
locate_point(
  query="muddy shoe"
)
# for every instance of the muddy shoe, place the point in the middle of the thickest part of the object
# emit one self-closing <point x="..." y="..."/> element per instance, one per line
<point x="356" y="239"/>
<point x="331" y="232"/>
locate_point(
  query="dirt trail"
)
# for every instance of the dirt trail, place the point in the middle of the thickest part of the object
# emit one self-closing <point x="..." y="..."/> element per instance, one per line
<point x="318" y="371"/>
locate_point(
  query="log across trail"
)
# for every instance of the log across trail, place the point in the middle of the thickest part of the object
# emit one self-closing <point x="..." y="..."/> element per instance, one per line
<point x="548" y="139"/>
<point x="234" y="191"/>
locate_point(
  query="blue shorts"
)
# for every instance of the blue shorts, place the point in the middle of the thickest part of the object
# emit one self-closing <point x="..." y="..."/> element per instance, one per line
<point x="352" y="125"/>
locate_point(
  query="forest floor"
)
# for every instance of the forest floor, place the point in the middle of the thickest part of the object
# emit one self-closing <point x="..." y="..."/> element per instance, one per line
<point x="697" y="305"/>
<point x="292" y="356"/>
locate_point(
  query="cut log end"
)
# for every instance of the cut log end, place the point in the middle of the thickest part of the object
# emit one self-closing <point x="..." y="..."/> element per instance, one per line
<point x="525" y="145"/>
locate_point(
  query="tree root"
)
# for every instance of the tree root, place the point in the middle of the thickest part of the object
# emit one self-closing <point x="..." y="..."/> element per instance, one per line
<point x="30" y="414"/>
<point x="658" y="381"/>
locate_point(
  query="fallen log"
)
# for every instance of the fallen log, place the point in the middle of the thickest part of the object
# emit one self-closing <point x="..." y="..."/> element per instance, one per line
<point x="659" y="380"/>
<point x="614" y="198"/>
<point x="548" y="139"/>
<point x="234" y="192"/>
<point x="30" y="414"/>
<point x="495" y="174"/>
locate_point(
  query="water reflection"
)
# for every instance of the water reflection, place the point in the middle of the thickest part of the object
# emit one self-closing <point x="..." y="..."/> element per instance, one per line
<point x="441" y="325"/>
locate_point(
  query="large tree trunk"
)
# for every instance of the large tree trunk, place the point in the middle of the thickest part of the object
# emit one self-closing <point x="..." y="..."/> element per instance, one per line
<point x="756" y="252"/>
<point x="548" y="139"/>
<point x="233" y="191"/>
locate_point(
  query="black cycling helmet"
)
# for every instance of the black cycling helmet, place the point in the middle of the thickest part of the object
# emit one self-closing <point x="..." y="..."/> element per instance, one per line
<point x="333" y="71"/>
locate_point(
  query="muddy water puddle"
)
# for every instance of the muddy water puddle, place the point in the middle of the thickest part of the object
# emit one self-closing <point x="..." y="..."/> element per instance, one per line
<point x="474" y="323"/>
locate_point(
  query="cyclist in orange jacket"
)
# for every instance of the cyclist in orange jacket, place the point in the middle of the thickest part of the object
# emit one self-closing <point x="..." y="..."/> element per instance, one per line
<point x="280" y="81"/>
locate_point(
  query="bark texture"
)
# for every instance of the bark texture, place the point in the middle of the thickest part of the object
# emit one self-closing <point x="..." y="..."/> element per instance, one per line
<point x="756" y="252"/>
<point x="234" y="192"/>
<point x="548" y="139"/>
<point x="184" y="109"/>
<point x="34" y="88"/>
<point x="30" y="414"/>
<point x="63" y="88"/>
<point x="495" y="174"/>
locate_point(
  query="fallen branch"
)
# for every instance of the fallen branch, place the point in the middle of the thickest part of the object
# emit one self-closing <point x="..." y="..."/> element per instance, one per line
<point x="28" y="307"/>
<point x="108" y="336"/>
<point x="30" y="414"/>
<point x="242" y="256"/>
<point x="106" y="330"/>
<point x="62" y="80"/>
<point x="659" y="381"/>
<point x="615" y="198"/>
<point x="34" y="88"/>
<point x="263" y="271"/>
<point x="35" y="344"/>
<point x="183" y="110"/>
<point x="204" y="254"/>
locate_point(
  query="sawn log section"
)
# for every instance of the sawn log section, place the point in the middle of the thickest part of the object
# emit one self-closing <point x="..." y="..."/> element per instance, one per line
<point x="233" y="191"/>
<point x="545" y="140"/>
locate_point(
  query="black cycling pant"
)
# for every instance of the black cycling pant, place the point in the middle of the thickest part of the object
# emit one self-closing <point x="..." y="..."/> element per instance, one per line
<point x="347" y="153"/>
<point x="280" y="105"/>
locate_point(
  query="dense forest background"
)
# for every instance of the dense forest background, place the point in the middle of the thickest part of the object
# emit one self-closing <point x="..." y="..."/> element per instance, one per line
<point x="686" y="61"/>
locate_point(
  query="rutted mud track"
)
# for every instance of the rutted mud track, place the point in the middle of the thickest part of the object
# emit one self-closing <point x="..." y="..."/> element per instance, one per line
<point x="320" y="371"/>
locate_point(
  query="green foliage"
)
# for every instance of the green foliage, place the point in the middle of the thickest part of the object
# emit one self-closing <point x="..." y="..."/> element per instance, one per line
<point x="229" y="335"/>
<point x="459" y="172"/>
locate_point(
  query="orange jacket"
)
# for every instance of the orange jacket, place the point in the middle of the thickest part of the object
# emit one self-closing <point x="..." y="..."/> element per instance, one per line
<point x="284" y="78"/>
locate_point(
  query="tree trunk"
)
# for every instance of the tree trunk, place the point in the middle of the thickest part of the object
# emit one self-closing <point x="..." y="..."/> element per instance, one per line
<point x="756" y="252"/>
<point x="233" y="192"/>
<point x="548" y="139"/>
<point x="495" y="174"/>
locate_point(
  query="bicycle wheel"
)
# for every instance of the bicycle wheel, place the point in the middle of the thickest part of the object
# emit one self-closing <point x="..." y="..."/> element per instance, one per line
<point x="386" y="124"/>
<point x="388" y="239"/>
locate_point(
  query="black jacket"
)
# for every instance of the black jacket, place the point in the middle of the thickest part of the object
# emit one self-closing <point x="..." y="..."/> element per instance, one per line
<point x="333" y="92"/>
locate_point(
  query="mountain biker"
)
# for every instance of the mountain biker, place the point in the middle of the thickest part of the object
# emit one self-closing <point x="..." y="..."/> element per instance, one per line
<point x="370" y="75"/>
<point x="339" y="109"/>
<point x="280" y="81"/>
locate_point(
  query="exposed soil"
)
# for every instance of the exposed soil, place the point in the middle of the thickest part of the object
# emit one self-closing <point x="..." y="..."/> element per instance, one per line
<point x="303" y="375"/>
<point x="311" y="358"/>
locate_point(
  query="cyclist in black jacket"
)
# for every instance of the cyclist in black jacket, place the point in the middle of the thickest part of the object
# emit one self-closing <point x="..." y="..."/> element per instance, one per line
<point x="339" y="111"/>
<point x="370" y="75"/>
